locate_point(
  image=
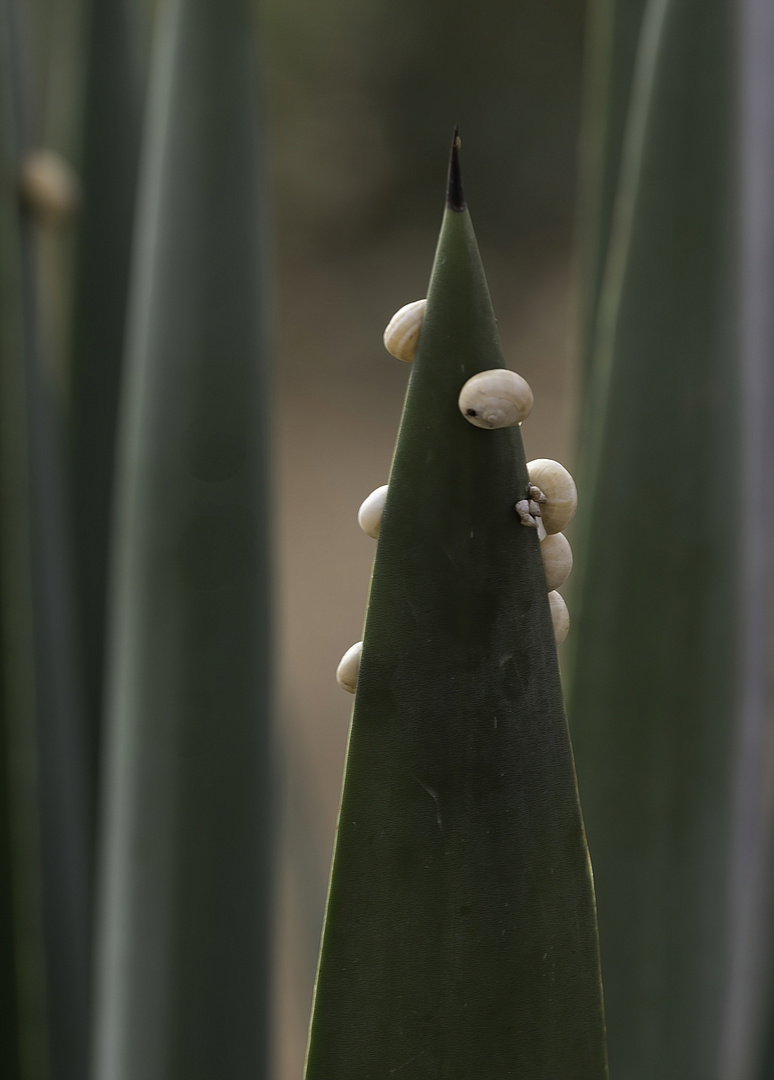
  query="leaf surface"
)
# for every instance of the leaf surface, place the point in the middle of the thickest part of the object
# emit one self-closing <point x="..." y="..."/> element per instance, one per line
<point x="460" y="934"/>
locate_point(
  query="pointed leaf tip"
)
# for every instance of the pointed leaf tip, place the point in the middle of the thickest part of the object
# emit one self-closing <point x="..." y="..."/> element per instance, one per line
<point x="455" y="196"/>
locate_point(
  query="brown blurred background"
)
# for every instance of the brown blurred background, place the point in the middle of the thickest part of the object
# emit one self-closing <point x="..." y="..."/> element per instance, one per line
<point x="361" y="100"/>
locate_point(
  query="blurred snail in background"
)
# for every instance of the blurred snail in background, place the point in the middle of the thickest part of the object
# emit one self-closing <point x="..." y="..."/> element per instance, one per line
<point x="349" y="668"/>
<point x="369" y="516"/>
<point x="496" y="399"/>
<point x="558" y="487"/>
<point x="49" y="186"/>
<point x="402" y="333"/>
<point x="560" y="616"/>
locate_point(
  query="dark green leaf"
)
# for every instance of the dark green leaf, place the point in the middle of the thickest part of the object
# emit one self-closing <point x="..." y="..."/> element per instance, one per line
<point x="655" y="673"/>
<point x="184" y="943"/>
<point x="460" y="936"/>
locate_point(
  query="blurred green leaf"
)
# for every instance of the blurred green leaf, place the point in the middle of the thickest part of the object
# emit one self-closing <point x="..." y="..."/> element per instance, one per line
<point x="22" y="990"/>
<point x="45" y="844"/>
<point x="184" y="940"/>
<point x="655" y="659"/>
<point x="612" y="42"/>
<point x="109" y="162"/>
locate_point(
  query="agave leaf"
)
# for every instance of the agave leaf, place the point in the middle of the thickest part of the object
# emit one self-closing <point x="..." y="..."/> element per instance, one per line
<point x="750" y="1040"/>
<point x="46" y="903"/>
<point x="183" y="939"/>
<point x="613" y="41"/>
<point x="460" y="934"/>
<point x="654" y="688"/>
<point x="23" y="1028"/>
<point x="109" y="162"/>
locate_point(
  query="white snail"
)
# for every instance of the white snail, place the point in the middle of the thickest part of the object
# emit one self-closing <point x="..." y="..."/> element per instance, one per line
<point x="559" y="489"/>
<point x="402" y="333"/>
<point x="369" y="516"/>
<point x="49" y="186"/>
<point x="349" y="667"/>
<point x="496" y="399"/>
<point x="557" y="560"/>
<point x="560" y="616"/>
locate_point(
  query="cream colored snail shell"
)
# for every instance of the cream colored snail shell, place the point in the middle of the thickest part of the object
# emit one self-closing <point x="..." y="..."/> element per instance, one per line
<point x="560" y="616"/>
<point x="402" y="333"/>
<point x="496" y="399"/>
<point x="49" y="186"/>
<point x="559" y="489"/>
<point x="369" y="516"/>
<point x="557" y="560"/>
<point x="349" y="667"/>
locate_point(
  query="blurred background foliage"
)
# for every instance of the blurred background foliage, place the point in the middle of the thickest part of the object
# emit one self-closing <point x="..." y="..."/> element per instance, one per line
<point x="359" y="100"/>
<point x="365" y="94"/>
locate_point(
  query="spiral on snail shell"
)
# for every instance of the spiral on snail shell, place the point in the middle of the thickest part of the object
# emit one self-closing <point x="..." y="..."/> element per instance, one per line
<point x="496" y="399"/>
<point x="402" y="332"/>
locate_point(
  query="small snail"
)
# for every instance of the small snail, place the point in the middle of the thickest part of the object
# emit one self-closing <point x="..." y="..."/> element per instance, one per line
<point x="557" y="560"/>
<point x="402" y="333"/>
<point x="49" y="186"/>
<point x="349" y="666"/>
<point x="560" y="616"/>
<point x="369" y="516"/>
<point x="496" y="399"/>
<point x="560" y="492"/>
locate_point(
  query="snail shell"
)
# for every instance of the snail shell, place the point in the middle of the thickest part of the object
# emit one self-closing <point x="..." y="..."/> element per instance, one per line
<point x="557" y="560"/>
<point x="559" y="489"/>
<point x="402" y="333"/>
<point x="49" y="186"/>
<point x="560" y="616"/>
<point x="349" y="667"/>
<point x="496" y="399"/>
<point x="369" y="515"/>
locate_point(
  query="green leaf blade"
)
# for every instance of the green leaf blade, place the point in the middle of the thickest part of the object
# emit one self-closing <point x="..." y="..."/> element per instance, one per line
<point x="460" y="933"/>
<point x="112" y="125"/>
<point x="654" y="690"/>
<point x="184" y="941"/>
